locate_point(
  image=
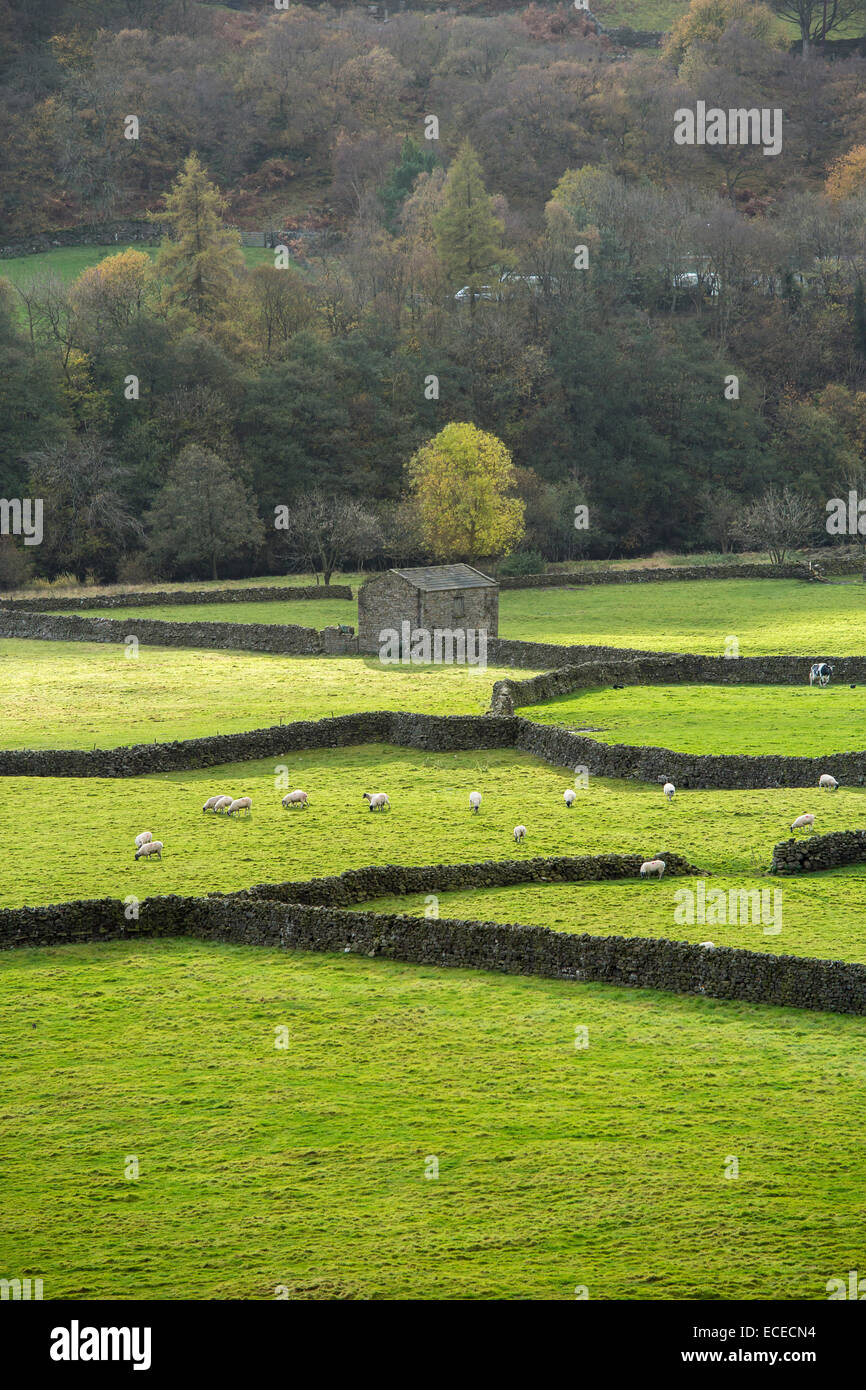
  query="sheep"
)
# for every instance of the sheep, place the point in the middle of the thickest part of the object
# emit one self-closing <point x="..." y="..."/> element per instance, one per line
<point x="210" y="804"/>
<point x="243" y="803"/>
<point x="519" y="833"/>
<point x="378" y="801"/>
<point x="222" y="802"/>
<point x="148" y="848"/>
<point x="669" y="790"/>
<point x="825" y="780"/>
<point x="803" y="822"/>
<point x="710" y="945"/>
<point x="475" y="801"/>
<point x="296" y="798"/>
<point x="652" y="866"/>
<point x="569" y="797"/>
<point x="143" y="838"/>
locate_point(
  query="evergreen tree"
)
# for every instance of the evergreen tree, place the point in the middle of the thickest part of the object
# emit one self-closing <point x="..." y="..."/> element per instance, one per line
<point x="467" y="229"/>
<point x="202" y="259"/>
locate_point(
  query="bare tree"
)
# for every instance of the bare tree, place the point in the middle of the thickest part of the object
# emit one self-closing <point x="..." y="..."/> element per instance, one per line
<point x="778" y="521"/>
<point x="721" y="509"/>
<point x="324" y="532"/>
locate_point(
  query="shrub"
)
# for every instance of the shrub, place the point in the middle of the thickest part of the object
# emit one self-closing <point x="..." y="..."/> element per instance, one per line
<point x="522" y="562"/>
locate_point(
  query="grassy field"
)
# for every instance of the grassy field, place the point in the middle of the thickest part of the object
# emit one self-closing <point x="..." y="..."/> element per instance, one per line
<point x="752" y="719"/>
<point x="823" y="917"/>
<point x="318" y="613"/>
<point x="68" y="262"/>
<point x="81" y="694"/>
<point x="766" y="616"/>
<point x="728" y="834"/>
<point x="305" y="1167"/>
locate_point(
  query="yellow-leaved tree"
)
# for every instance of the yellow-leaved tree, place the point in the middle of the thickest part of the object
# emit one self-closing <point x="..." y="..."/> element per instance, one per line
<point x="847" y="177"/>
<point x="460" y="482"/>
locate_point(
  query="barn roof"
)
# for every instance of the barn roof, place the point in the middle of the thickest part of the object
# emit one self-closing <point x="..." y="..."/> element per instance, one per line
<point x="430" y="577"/>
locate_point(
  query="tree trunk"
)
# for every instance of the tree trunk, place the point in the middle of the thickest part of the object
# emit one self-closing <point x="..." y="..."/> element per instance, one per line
<point x="328" y="574"/>
<point x="213" y="565"/>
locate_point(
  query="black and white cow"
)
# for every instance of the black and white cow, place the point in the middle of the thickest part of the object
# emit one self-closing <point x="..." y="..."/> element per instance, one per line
<point x="821" y="673"/>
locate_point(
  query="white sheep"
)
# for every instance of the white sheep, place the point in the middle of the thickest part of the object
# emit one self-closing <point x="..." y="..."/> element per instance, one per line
<point x="475" y="801"/>
<point x="652" y="866"/>
<point x="243" y="803"/>
<point x="210" y="804"/>
<point x="378" y="801"/>
<point x="669" y="790"/>
<point x="222" y="802"/>
<point x="803" y="822"/>
<point x="295" y="798"/>
<point x="710" y="945"/>
<point x="825" y="780"/>
<point x="519" y="833"/>
<point x="143" y="838"/>
<point x="149" y="847"/>
<point x="569" y="797"/>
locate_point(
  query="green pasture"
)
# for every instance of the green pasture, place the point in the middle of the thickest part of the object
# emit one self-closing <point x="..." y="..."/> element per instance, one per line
<point x="795" y="720"/>
<point x="68" y="262"/>
<point x="765" y="616"/>
<point x="86" y="694"/>
<point x="318" y="613"/>
<point x="301" y="1171"/>
<point x="813" y="915"/>
<point x="66" y="838"/>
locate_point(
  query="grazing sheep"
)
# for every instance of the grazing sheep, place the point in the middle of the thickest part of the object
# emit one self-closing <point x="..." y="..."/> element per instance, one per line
<point x="243" y="803"/>
<point x="519" y="833"/>
<point x="149" y="847"/>
<point x="378" y="801"/>
<point x="475" y="801"/>
<point x="210" y="804"/>
<point x="569" y="797"/>
<point x="710" y="945"/>
<point x="802" y="822"/>
<point x="669" y="790"/>
<point x="142" y="839"/>
<point x="652" y="866"/>
<point x="296" y="798"/>
<point x="825" y="780"/>
<point x="222" y="802"/>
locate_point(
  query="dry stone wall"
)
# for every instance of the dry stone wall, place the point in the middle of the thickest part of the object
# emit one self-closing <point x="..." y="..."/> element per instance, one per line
<point x="583" y="578"/>
<point x="819" y="852"/>
<point x="635" y="962"/>
<point x="281" y="638"/>
<point x="155" y="598"/>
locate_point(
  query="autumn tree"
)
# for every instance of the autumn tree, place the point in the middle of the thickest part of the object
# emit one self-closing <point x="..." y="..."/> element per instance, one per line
<point x="201" y="259"/>
<point x="324" y="532"/>
<point x="460" y="481"/>
<point x="467" y="230"/>
<point x="706" y="21"/>
<point x="780" y="520"/>
<point x="204" y="516"/>
<point x="847" y="176"/>
<point x="817" y="18"/>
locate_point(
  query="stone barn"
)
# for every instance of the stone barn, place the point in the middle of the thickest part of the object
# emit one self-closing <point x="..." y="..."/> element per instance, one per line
<point x="446" y="606"/>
